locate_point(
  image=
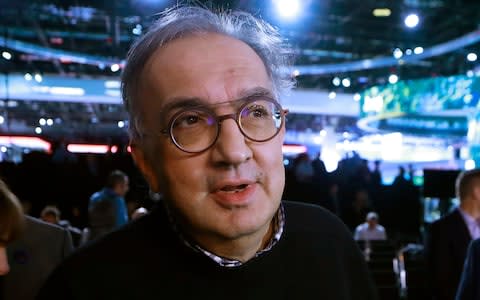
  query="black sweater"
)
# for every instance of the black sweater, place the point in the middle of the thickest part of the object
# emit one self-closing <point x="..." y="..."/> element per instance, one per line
<point x="316" y="258"/>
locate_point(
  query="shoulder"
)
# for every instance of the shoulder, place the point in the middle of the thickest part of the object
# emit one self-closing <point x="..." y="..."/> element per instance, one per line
<point x="303" y="217"/>
<point x="46" y="242"/>
<point x="476" y="246"/>
<point x="143" y="234"/>
<point x="37" y="228"/>
<point x="360" y="227"/>
<point x="452" y="218"/>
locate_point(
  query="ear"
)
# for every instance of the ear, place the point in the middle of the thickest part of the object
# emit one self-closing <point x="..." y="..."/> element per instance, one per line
<point x="142" y="163"/>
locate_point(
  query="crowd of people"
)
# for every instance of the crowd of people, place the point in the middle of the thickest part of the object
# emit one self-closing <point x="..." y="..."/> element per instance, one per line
<point x="354" y="189"/>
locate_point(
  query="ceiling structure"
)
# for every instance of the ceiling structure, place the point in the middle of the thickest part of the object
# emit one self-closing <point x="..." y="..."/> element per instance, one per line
<point x="78" y="38"/>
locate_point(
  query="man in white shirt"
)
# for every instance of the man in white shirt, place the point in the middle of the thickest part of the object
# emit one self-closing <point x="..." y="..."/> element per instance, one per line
<point x="370" y="230"/>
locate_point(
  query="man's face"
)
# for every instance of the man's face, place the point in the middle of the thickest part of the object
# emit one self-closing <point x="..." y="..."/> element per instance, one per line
<point x="124" y="187"/>
<point x="50" y="218"/>
<point x="372" y="222"/>
<point x="234" y="188"/>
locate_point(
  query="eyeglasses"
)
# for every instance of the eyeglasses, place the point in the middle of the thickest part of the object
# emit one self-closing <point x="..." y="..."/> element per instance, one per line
<point x="195" y="129"/>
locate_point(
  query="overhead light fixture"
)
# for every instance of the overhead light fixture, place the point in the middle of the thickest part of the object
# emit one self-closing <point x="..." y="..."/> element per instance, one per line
<point x="382" y="12"/>
<point x="287" y="9"/>
<point x="87" y="148"/>
<point x="28" y="76"/>
<point x="411" y="20"/>
<point x="336" y="81"/>
<point x="393" y="79"/>
<point x="38" y="78"/>
<point x="332" y="95"/>
<point x="397" y="53"/>
<point x="293" y="149"/>
<point x="471" y="57"/>
<point x="25" y="142"/>
<point x="469" y="164"/>
<point x="418" y="50"/>
<point x="115" y="67"/>
<point x="7" y="55"/>
<point x="346" y="82"/>
<point x="137" y="30"/>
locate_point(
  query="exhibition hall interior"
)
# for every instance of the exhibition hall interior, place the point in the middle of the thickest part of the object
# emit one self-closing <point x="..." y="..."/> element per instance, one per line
<point x="384" y="115"/>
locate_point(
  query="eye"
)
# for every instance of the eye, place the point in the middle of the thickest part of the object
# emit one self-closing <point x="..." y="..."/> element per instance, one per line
<point x="191" y="119"/>
<point x="256" y="111"/>
<point x="188" y="120"/>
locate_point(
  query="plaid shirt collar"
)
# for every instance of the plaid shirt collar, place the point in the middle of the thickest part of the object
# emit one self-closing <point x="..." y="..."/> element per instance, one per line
<point x="278" y="224"/>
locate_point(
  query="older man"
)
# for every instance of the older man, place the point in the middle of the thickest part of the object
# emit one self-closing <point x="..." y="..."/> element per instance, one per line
<point x="207" y="131"/>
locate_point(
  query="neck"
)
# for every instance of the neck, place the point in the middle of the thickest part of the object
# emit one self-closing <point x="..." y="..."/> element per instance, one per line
<point x="242" y="249"/>
<point x="471" y="207"/>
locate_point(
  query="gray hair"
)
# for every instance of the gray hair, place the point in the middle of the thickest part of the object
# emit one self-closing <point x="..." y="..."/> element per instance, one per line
<point x="183" y="21"/>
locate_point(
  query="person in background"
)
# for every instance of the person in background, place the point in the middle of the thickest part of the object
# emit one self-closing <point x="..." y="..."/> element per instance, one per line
<point x="370" y="230"/>
<point x="354" y="214"/>
<point x="376" y="174"/>
<point x="400" y="180"/>
<point x="37" y="249"/>
<point x="448" y="238"/>
<point x="107" y="209"/>
<point x="469" y="289"/>
<point x="51" y="214"/>
<point x="207" y="129"/>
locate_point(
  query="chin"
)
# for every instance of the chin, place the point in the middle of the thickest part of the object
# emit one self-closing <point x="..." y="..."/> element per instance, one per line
<point x="245" y="224"/>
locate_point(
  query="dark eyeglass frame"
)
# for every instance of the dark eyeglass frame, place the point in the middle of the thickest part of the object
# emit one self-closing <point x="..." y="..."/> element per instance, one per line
<point x="219" y="119"/>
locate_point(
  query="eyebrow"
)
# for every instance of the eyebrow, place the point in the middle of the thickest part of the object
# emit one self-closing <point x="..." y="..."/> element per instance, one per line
<point x="256" y="92"/>
<point x="182" y="102"/>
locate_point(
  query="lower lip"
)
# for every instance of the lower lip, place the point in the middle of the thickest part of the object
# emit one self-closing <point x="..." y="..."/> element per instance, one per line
<point x="241" y="198"/>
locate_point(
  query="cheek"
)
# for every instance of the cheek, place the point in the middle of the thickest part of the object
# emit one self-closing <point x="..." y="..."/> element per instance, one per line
<point x="270" y="161"/>
<point x="177" y="172"/>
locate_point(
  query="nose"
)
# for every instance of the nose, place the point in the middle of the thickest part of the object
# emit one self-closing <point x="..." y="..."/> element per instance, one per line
<point x="4" y="267"/>
<point x="231" y="147"/>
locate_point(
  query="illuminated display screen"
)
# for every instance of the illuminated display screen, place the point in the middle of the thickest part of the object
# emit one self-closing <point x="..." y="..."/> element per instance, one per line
<point x="426" y="106"/>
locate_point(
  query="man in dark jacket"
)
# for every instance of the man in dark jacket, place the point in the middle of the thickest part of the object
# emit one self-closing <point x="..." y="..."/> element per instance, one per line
<point x="448" y="238"/>
<point x="469" y="289"/>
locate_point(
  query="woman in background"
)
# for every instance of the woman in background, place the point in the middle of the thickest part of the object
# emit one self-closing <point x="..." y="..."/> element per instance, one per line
<point x="11" y="223"/>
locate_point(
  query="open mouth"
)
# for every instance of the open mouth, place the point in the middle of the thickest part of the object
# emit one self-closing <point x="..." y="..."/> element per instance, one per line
<point x="234" y="188"/>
